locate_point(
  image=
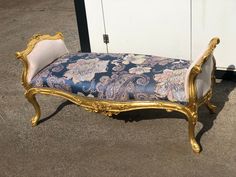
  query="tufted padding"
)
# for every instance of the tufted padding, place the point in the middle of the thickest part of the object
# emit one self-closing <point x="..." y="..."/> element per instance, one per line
<point x="43" y="54"/>
<point x="119" y="77"/>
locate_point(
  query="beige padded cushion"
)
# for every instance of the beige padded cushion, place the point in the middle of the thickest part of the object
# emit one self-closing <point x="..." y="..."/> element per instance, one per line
<point x="203" y="80"/>
<point x="44" y="53"/>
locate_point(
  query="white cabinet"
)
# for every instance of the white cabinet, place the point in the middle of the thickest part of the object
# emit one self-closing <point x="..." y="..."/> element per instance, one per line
<point x="215" y="18"/>
<point x="163" y="27"/>
<point x="155" y="27"/>
<point x="151" y="27"/>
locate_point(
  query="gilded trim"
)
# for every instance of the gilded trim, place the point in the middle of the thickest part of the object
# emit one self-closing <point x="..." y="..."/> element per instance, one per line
<point x="109" y="108"/>
<point x="197" y="69"/>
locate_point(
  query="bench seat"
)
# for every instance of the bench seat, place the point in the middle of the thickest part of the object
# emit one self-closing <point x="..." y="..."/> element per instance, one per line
<point x="119" y="77"/>
<point x="113" y="83"/>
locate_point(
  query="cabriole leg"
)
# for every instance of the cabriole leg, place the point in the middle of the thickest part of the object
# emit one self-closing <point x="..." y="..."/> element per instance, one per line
<point x="211" y="107"/>
<point x="33" y="101"/>
<point x="191" y="126"/>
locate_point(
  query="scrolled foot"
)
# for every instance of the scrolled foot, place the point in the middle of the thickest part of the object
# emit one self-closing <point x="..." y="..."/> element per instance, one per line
<point x="195" y="146"/>
<point x="192" y="123"/>
<point x="34" y="121"/>
<point x="211" y="107"/>
<point x="31" y="98"/>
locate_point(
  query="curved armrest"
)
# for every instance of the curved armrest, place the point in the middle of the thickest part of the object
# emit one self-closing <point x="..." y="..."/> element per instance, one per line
<point x="40" y="51"/>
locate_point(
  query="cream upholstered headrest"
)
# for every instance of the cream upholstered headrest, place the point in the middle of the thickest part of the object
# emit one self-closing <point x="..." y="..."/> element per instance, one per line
<point x="43" y="53"/>
<point x="203" y="80"/>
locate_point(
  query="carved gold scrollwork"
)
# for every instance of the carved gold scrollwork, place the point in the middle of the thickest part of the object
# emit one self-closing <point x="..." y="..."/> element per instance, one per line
<point x="36" y="36"/>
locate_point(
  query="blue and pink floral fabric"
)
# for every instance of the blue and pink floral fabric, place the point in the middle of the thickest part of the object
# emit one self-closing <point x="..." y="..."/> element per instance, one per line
<point x="118" y="77"/>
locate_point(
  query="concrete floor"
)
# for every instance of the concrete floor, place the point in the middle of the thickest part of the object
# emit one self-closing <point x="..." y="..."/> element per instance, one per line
<point x="72" y="142"/>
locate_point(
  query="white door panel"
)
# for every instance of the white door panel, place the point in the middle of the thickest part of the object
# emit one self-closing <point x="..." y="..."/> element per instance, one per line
<point x="150" y="27"/>
<point x="95" y="25"/>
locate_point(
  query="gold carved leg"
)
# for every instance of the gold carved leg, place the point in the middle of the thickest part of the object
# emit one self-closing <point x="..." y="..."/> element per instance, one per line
<point x="191" y="126"/>
<point x="211" y="107"/>
<point x="33" y="101"/>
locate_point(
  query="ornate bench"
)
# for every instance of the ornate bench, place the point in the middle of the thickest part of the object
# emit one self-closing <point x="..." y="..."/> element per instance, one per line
<point x="114" y="83"/>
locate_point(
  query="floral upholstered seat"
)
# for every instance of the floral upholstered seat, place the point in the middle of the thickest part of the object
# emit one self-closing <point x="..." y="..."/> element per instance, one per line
<point x="119" y="77"/>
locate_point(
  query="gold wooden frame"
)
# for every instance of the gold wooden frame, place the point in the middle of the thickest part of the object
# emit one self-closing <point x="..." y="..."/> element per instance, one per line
<point x="115" y="107"/>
